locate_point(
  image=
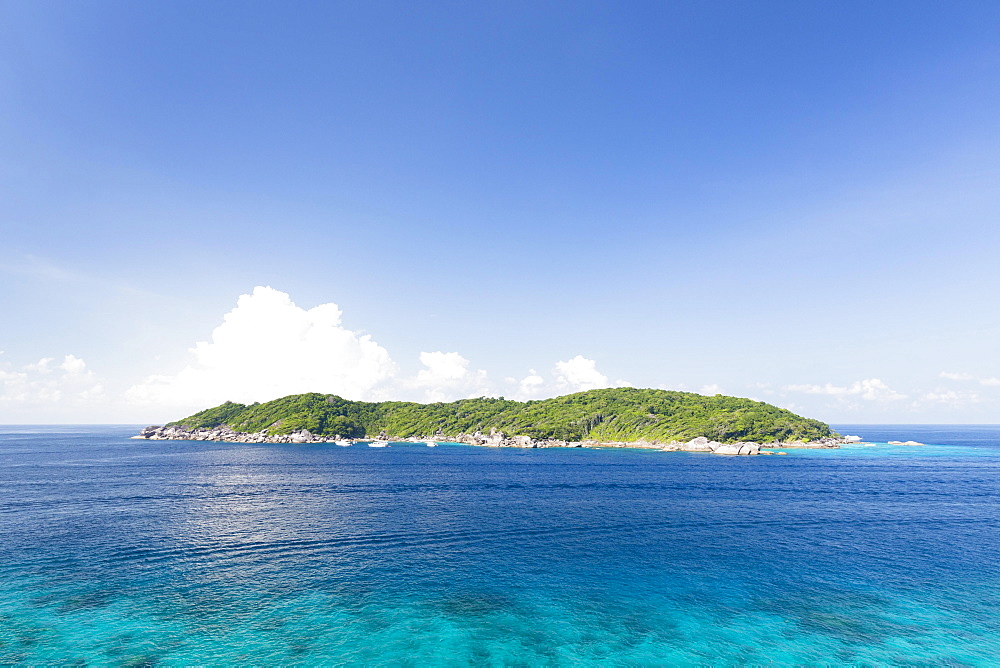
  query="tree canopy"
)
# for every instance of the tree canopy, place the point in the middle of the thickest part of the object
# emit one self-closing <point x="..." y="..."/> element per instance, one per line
<point x="619" y="414"/>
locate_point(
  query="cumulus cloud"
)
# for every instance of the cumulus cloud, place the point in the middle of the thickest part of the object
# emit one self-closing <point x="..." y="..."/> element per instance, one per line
<point x="579" y="374"/>
<point x="47" y="382"/>
<point x="531" y="385"/>
<point x="576" y="374"/>
<point x="445" y="376"/>
<point x="951" y="398"/>
<point x="988" y="382"/>
<point x="268" y="347"/>
<point x="870" y="389"/>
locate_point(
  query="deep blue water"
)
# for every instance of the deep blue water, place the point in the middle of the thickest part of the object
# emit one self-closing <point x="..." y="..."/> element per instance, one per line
<point x="121" y="552"/>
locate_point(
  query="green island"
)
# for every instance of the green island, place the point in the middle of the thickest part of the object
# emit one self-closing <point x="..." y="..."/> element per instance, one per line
<point x="619" y="415"/>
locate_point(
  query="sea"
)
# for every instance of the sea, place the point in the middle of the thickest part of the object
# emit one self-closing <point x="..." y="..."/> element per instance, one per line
<point x="118" y="552"/>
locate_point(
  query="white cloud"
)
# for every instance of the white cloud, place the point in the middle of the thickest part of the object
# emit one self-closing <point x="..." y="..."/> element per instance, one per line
<point x="443" y="367"/>
<point x="579" y="374"/>
<point x="951" y="398"/>
<point x="531" y="386"/>
<point x="710" y="390"/>
<point x="73" y="365"/>
<point x="988" y="382"/>
<point x="41" y="366"/>
<point x="446" y="376"/>
<point x="870" y="389"/>
<point x="267" y="347"/>
<point x="576" y="374"/>
<point x="41" y="383"/>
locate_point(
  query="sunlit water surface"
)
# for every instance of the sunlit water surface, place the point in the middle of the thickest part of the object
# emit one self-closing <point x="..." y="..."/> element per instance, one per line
<point x="123" y="552"/>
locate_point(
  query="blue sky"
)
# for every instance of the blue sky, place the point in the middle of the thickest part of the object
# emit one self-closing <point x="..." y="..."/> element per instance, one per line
<point x="792" y="201"/>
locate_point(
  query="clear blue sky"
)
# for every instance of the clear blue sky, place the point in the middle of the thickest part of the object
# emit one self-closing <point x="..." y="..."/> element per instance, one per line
<point x="793" y="201"/>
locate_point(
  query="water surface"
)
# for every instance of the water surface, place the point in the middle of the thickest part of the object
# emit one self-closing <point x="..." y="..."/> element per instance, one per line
<point x="119" y="552"/>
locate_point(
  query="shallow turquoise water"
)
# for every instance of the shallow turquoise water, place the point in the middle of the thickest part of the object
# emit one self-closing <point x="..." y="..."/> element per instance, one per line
<point x="118" y="552"/>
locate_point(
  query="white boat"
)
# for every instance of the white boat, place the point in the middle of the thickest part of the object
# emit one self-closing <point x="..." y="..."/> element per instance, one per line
<point x="378" y="444"/>
<point x="431" y="444"/>
<point x="344" y="443"/>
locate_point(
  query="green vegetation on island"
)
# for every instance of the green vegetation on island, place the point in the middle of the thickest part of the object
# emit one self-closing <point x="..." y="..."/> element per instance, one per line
<point x="619" y="414"/>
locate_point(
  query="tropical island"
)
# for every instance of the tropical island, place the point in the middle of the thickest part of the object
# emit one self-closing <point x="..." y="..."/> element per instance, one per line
<point x="619" y="417"/>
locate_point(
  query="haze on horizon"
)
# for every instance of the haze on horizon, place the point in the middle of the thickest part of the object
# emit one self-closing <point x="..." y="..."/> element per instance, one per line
<point x="794" y="202"/>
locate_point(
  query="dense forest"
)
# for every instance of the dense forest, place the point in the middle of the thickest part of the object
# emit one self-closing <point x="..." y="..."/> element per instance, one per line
<point x="620" y="414"/>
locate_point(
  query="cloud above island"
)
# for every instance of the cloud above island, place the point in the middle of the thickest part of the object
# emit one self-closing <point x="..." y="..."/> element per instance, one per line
<point x="268" y="347"/>
<point x="445" y="377"/>
<point x="869" y="389"/>
<point x="577" y="374"/>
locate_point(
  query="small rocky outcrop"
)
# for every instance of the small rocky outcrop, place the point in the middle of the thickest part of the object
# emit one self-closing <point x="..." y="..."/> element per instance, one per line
<point x="699" y="444"/>
<point x="828" y="442"/>
<point x="495" y="439"/>
<point x="224" y="433"/>
<point x="702" y="444"/>
<point x="748" y="448"/>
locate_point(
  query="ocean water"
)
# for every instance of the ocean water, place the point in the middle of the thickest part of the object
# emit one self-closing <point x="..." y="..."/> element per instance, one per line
<point x="122" y="552"/>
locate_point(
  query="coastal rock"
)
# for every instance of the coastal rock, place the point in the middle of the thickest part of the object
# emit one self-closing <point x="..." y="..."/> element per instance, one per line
<point x="829" y="442"/>
<point x="738" y="449"/>
<point x="699" y="444"/>
<point x="496" y="439"/>
<point x="224" y="433"/>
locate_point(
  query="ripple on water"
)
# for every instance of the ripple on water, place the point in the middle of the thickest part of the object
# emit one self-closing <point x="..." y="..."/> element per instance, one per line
<point x="286" y="555"/>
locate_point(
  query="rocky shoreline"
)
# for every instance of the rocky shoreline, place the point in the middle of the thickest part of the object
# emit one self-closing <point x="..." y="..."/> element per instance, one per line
<point x="495" y="439"/>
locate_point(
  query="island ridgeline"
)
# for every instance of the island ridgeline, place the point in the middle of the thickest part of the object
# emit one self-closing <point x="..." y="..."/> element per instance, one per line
<point x="606" y="415"/>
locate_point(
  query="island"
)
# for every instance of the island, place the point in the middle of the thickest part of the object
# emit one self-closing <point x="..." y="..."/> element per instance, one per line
<point x="618" y="417"/>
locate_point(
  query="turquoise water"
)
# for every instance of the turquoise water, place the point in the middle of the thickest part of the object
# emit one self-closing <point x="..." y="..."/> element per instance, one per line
<point x="120" y="552"/>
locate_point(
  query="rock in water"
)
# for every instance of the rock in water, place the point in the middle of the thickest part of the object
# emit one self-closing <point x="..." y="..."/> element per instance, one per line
<point x="700" y="444"/>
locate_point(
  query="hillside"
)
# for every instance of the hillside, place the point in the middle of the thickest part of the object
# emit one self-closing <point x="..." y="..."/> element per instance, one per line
<point x="620" y="414"/>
